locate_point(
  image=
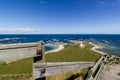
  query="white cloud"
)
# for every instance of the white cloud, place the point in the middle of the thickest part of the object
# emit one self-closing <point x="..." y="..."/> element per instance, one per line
<point x="24" y="29"/>
<point x="43" y="2"/>
<point x="18" y="30"/>
<point x="103" y="3"/>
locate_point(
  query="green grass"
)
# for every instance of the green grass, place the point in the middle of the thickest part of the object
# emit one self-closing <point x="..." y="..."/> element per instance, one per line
<point x="73" y="53"/>
<point x="23" y="66"/>
<point x="78" y="74"/>
<point x="16" y="77"/>
<point x="71" y="75"/>
<point x="84" y="73"/>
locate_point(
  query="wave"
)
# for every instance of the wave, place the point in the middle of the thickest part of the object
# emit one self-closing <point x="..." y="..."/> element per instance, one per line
<point x="14" y="38"/>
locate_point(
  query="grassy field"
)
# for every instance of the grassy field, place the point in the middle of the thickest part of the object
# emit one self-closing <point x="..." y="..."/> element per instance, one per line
<point x="23" y="66"/>
<point x="73" y="53"/>
<point x="72" y="75"/>
<point x="17" y="70"/>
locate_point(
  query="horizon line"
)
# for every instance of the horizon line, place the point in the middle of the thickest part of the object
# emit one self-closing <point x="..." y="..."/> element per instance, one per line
<point x="61" y="34"/>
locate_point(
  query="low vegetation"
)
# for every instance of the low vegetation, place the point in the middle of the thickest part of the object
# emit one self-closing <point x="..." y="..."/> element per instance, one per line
<point x="17" y="70"/>
<point x="72" y="75"/>
<point x="22" y="69"/>
<point x="17" y="67"/>
<point x="17" y="77"/>
<point x="73" y="53"/>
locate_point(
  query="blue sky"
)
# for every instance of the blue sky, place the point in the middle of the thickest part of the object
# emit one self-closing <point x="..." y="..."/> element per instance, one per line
<point x="60" y="16"/>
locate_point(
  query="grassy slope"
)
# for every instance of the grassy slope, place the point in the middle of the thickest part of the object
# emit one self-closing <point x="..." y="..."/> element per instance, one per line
<point x="72" y="75"/>
<point x="23" y="66"/>
<point x="72" y="53"/>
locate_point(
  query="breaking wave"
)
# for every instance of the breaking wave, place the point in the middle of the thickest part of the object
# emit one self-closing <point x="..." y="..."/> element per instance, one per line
<point x="14" y="38"/>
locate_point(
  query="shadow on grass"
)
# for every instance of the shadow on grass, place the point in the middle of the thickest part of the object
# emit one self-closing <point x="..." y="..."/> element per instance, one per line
<point x="41" y="78"/>
<point x="85" y="76"/>
<point x="74" y="76"/>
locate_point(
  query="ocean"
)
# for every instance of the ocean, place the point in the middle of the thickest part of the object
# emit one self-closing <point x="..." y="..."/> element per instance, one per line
<point x="110" y="43"/>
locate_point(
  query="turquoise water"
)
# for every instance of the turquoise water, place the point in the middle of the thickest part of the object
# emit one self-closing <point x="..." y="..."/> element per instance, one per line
<point x="109" y="43"/>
